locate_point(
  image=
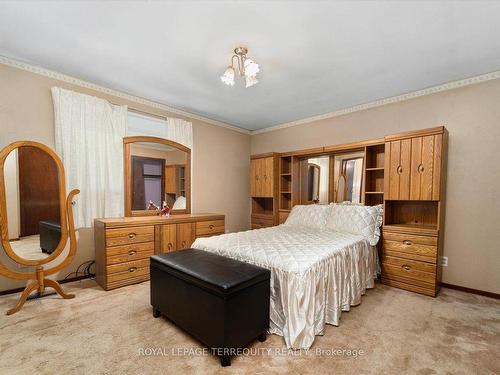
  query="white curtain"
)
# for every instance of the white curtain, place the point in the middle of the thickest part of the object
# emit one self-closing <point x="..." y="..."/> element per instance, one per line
<point x="89" y="139"/>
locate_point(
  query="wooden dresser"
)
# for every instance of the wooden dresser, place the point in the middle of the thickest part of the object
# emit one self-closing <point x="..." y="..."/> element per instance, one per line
<point x="123" y="245"/>
<point x="415" y="170"/>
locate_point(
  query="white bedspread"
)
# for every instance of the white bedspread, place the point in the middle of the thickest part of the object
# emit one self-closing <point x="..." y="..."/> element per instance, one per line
<point x="315" y="274"/>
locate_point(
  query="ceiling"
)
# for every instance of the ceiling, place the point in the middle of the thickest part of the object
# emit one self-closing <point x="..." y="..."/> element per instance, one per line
<point x="315" y="56"/>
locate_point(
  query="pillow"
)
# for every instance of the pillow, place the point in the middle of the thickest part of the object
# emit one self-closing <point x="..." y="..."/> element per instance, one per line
<point x="311" y="216"/>
<point x="356" y="219"/>
<point x="180" y="203"/>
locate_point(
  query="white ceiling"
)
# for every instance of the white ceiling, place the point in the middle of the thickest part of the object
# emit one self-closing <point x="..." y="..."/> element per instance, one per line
<point x="315" y="56"/>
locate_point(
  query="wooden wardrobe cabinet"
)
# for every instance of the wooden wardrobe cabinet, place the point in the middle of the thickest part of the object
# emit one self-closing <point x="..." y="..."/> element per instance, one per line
<point x="414" y="168"/>
<point x="415" y="163"/>
<point x="123" y="245"/>
<point x="264" y="190"/>
<point x="262" y="176"/>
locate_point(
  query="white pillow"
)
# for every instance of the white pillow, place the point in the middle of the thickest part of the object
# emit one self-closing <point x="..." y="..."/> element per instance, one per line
<point x="180" y="203"/>
<point x="311" y="216"/>
<point x="356" y="219"/>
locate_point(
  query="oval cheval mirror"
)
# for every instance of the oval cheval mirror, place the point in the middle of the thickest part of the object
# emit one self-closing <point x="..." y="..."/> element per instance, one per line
<point x="36" y="217"/>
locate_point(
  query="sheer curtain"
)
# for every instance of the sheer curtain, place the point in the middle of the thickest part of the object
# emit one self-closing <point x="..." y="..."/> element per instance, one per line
<point x="89" y="139"/>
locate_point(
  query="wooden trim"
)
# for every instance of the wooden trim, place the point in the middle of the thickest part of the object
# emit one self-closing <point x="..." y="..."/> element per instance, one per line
<point x="264" y="155"/>
<point x="470" y="290"/>
<point x="157" y="220"/>
<point x="127" y="173"/>
<point x="305" y="152"/>
<point x="415" y="133"/>
<point x="353" y="146"/>
<point x="62" y="281"/>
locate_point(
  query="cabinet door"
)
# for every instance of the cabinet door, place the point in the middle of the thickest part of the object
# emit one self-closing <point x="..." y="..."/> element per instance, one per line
<point x="168" y="236"/>
<point x="425" y="167"/>
<point x="398" y="168"/>
<point x="170" y="185"/>
<point x="268" y="177"/>
<point x="185" y="235"/>
<point x="253" y="177"/>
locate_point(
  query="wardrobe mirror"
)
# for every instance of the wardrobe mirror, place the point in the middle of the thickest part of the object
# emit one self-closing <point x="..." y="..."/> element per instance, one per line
<point x="32" y="203"/>
<point x="157" y="171"/>
<point x="348" y="177"/>
<point x="314" y="180"/>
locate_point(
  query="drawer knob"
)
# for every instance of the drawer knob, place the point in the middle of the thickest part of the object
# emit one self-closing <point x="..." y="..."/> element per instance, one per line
<point x="407" y="242"/>
<point x="131" y="235"/>
<point x="406" y="267"/>
<point x="399" y="169"/>
<point x="132" y="252"/>
<point x="132" y="269"/>
<point x="421" y="168"/>
<point x="211" y="226"/>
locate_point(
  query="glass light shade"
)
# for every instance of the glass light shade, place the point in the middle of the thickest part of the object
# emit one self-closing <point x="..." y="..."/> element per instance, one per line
<point x="250" y="81"/>
<point x="251" y="68"/>
<point x="228" y="76"/>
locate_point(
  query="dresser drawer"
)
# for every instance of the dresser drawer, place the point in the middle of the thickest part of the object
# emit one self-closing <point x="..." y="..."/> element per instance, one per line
<point x="410" y="250"/>
<point x="410" y="238"/>
<point x="210" y="227"/>
<point x="124" y="236"/>
<point x="118" y="279"/>
<point x="262" y="222"/>
<point x="406" y="264"/>
<point x="409" y="272"/>
<point x="129" y="268"/>
<point x="127" y="253"/>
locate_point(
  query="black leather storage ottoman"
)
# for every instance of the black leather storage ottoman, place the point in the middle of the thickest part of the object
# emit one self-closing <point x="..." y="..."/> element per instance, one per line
<point x="50" y="235"/>
<point x="222" y="302"/>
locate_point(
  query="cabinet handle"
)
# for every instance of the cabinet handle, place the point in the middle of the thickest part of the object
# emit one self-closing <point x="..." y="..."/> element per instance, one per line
<point x="405" y="267"/>
<point x="183" y="244"/>
<point x="169" y="246"/>
<point x="132" y="252"/>
<point x="407" y="242"/>
<point x="131" y="235"/>
<point x="257" y="178"/>
<point x="421" y="168"/>
<point x="132" y="269"/>
<point x="399" y="169"/>
<point x="211" y="226"/>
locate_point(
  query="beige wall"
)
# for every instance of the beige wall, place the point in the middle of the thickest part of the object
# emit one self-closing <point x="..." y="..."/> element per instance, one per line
<point x="472" y="116"/>
<point x="220" y="180"/>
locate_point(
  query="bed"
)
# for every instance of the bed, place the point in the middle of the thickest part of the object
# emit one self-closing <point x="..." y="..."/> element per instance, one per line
<point x="322" y="260"/>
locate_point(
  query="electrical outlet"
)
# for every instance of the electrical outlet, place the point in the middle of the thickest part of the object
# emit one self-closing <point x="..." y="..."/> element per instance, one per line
<point x="444" y="261"/>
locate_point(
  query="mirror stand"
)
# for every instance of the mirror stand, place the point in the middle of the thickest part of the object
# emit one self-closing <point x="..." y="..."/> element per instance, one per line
<point x="24" y="167"/>
<point x="40" y="282"/>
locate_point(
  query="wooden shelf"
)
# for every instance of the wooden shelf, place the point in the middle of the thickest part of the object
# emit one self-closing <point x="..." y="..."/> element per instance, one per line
<point x="285" y="174"/>
<point x="374" y="169"/>
<point x="374" y="192"/>
<point x="285" y="192"/>
<point x="283" y="210"/>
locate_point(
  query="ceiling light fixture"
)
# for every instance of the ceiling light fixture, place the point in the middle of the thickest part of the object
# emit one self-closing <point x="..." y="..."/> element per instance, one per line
<point x="246" y="68"/>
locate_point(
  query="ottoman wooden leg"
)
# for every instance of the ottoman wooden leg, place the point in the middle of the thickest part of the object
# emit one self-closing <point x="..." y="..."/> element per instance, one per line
<point x="225" y="360"/>
<point x="156" y="313"/>
<point x="262" y="337"/>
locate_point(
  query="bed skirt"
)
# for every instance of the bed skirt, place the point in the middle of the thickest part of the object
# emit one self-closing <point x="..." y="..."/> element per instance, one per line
<point x="302" y="304"/>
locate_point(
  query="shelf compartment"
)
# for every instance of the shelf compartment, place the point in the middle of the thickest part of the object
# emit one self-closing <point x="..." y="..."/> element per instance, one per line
<point x="412" y="214"/>
<point x="375" y="180"/>
<point x="375" y="156"/>
<point x="286" y="165"/>
<point x="263" y="206"/>
<point x="285" y="201"/>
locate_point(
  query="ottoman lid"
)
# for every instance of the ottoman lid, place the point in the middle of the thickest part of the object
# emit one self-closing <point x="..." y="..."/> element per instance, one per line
<point x="214" y="272"/>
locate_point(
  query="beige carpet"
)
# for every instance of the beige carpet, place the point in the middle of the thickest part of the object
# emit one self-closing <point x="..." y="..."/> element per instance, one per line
<point x="102" y="332"/>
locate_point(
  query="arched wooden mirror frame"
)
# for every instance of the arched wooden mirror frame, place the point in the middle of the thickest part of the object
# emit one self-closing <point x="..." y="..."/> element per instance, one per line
<point x="127" y="165"/>
<point x="67" y="229"/>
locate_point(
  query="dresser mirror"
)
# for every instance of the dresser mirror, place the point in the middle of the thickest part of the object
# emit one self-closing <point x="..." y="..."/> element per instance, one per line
<point x="348" y="177"/>
<point x="157" y="171"/>
<point x="314" y="181"/>
<point x="35" y="215"/>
